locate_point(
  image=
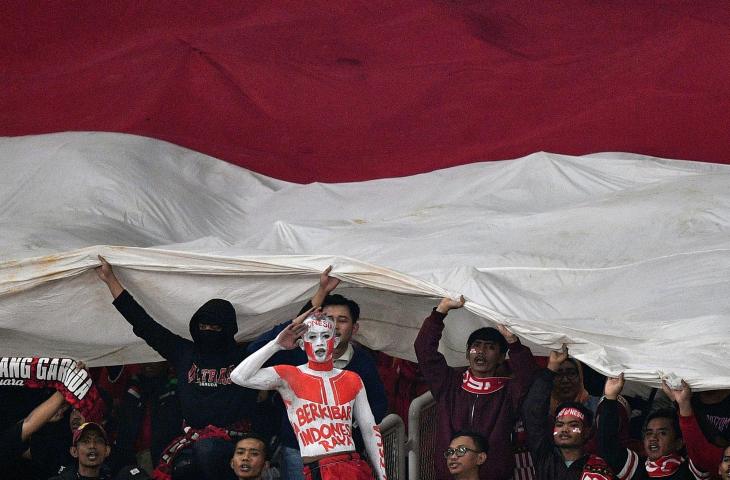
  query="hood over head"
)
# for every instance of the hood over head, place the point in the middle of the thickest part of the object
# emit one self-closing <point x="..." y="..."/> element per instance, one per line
<point x="214" y="312"/>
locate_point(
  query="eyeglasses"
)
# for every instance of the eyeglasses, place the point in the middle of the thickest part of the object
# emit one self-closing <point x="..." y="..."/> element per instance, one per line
<point x="459" y="451"/>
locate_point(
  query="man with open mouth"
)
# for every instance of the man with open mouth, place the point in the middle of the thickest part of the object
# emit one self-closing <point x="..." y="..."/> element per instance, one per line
<point x="90" y="446"/>
<point x="250" y="457"/>
<point x="664" y="437"/>
<point x="483" y="397"/>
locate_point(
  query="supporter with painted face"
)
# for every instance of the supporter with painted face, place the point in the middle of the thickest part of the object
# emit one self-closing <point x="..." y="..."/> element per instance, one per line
<point x="483" y="397"/>
<point x="321" y="401"/>
<point x="572" y="427"/>
<point x="466" y="452"/>
<point x="320" y="340"/>
<point x="348" y="355"/>
<point x="250" y="457"/>
<point x="662" y="437"/>
<point x="558" y="446"/>
<point x="568" y="386"/>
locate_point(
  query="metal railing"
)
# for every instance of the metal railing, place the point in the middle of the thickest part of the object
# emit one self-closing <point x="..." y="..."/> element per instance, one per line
<point x="421" y="438"/>
<point x="393" y="432"/>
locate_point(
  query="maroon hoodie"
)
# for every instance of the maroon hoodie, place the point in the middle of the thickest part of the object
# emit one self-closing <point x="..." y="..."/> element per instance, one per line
<point x="492" y="415"/>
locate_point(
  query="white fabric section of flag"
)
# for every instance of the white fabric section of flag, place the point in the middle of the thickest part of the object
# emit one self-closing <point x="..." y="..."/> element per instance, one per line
<point x="623" y="257"/>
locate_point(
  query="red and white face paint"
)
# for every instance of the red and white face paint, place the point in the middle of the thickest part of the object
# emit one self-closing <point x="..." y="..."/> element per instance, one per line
<point x="568" y="430"/>
<point x="319" y="341"/>
<point x="321" y="402"/>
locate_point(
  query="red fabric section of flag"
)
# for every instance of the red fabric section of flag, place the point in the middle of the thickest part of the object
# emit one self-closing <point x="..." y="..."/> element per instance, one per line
<point x="304" y="91"/>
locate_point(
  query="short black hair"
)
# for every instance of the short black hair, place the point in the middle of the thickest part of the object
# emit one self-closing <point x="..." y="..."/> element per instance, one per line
<point x="253" y="436"/>
<point x="479" y="440"/>
<point x="338" y="299"/>
<point x="574" y="361"/>
<point x="668" y="413"/>
<point x="587" y="413"/>
<point x="488" y="334"/>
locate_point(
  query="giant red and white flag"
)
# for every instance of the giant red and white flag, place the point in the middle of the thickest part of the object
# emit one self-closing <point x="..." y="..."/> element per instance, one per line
<point x="619" y="255"/>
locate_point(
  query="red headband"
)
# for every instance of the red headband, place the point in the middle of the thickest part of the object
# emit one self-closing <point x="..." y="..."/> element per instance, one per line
<point x="572" y="411"/>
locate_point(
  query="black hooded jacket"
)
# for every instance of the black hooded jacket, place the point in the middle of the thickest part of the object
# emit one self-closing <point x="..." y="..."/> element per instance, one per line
<point x="203" y="367"/>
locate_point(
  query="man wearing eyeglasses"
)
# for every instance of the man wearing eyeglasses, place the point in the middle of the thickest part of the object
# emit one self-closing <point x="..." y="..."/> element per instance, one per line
<point x="466" y="452"/>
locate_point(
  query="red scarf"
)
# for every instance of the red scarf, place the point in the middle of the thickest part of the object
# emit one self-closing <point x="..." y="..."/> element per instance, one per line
<point x="63" y="374"/>
<point x="482" y="386"/>
<point x="665" y="466"/>
<point x="163" y="471"/>
<point x="596" y="468"/>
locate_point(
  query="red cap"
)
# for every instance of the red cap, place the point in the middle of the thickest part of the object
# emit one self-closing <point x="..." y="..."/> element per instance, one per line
<point x="85" y="426"/>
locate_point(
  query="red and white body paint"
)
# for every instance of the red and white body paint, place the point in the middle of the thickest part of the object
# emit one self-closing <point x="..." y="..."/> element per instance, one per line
<point x="321" y="401"/>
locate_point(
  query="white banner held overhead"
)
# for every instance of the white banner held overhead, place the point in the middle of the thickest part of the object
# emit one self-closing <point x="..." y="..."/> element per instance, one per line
<point x="623" y="257"/>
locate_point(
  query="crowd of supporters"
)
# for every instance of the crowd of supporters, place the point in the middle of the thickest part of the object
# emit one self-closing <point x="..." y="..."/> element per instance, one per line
<point x="216" y="409"/>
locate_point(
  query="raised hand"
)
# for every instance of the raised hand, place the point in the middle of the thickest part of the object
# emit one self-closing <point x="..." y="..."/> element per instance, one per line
<point x="106" y="274"/>
<point x="506" y="333"/>
<point x="557" y="357"/>
<point x="104" y="271"/>
<point x="613" y="387"/>
<point x="682" y="396"/>
<point x="447" y="304"/>
<point x="327" y="283"/>
<point x="288" y="337"/>
<point x="303" y="316"/>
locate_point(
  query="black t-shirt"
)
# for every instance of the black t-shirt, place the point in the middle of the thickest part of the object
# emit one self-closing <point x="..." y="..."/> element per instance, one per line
<point x="11" y="444"/>
<point x="714" y="420"/>
<point x="73" y="474"/>
<point x="11" y="449"/>
<point x="49" y="448"/>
